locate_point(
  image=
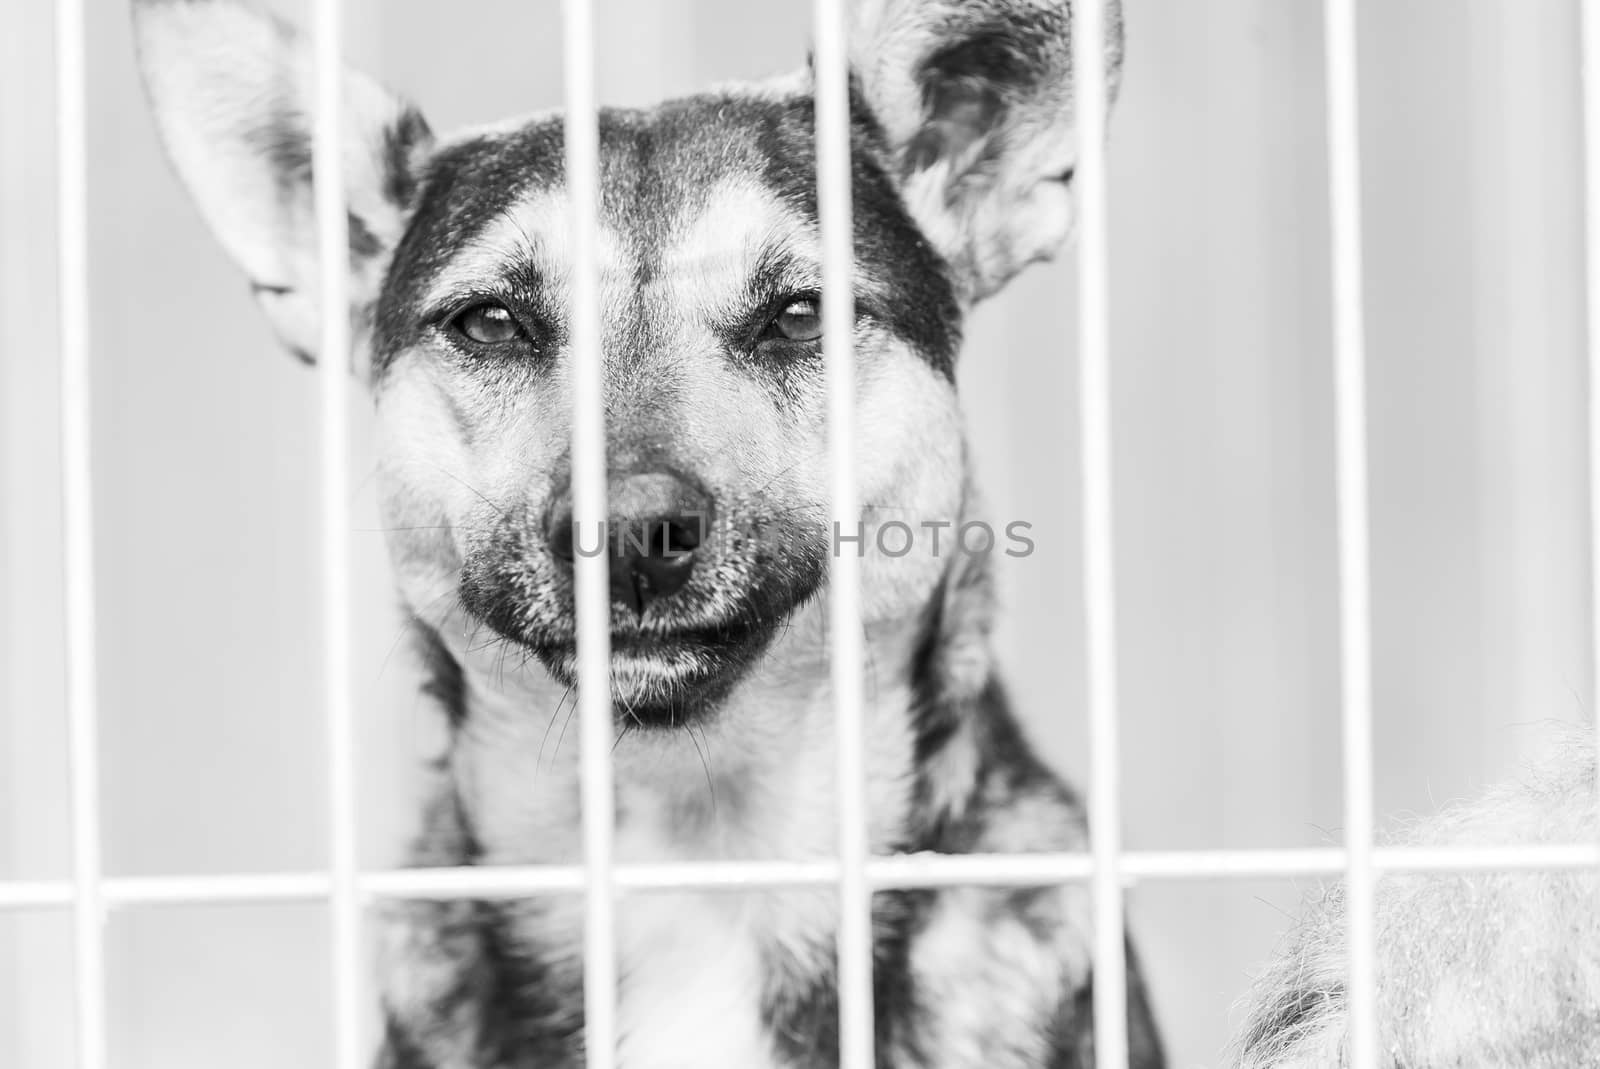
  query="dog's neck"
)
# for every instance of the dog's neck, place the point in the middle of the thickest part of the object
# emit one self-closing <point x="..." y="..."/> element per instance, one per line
<point x="753" y="778"/>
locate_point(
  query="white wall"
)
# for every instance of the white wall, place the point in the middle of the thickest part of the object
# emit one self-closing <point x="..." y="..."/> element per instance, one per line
<point x="206" y="465"/>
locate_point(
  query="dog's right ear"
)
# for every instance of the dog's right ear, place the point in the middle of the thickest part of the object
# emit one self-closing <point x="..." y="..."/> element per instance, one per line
<point x="978" y="102"/>
<point x="233" y="92"/>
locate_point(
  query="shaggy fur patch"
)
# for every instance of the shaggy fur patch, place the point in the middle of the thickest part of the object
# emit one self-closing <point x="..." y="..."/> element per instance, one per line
<point x="1492" y="969"/>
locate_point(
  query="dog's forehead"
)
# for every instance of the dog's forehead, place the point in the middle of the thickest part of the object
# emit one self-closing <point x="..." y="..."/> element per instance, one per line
<point x="716" y="188"/>
<point x="660" y="169"/>
<point x="717" y="239"/>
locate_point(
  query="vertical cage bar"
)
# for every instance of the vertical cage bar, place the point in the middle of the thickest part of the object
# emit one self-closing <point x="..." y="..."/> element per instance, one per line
<point x="1590" y="72"/>
<point x="836" y="217"/>
<point x="77" y="502"/>
<point x="1099" y="555"/>
<point x="1355" y="614"/>
<point x="589" y="513"/>
<point x="333" y="243"/>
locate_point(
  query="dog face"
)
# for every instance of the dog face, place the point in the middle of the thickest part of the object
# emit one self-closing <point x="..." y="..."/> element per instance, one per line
<point x="460" y="259"/>
<point x="714" y="393"/>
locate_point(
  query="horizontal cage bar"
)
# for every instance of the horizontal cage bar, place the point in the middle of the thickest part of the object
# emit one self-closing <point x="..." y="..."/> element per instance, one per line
<point x="926" y="870"/>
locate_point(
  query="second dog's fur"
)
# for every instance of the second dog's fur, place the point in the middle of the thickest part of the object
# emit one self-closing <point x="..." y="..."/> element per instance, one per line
<point x="1476" y="970"/>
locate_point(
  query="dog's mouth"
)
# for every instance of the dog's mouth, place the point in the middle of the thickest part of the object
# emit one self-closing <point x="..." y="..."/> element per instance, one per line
<point x="669" y="665"/>
<point x="686" y="625"/>
<point x="663" y="677"/>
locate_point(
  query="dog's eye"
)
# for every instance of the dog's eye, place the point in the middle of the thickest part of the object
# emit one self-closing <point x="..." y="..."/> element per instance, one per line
<point x="800" y="320"/>
<point x="489" y="324"/>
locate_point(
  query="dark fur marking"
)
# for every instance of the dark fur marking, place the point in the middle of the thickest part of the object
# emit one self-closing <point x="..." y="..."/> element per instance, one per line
<point x="501" y="998"/>
<point x="1072" y="1037"/>
<point x="284" y="142"/>
<point x="402" y="143"/>
<point x="460" y="189"/>
<point x="516" y="1015"/>
<point x="399" y="1051"/>
<point x="934" y="718"/>
<point x="961" y="100"/>
<point x="263" y="289"/>
<point x="527" y="1020"/>
<point x="446" y="684"/>
<point x="804" y="1022"/>
<point x="1007" y="51"/>
<point x="285" y="145"/>
<point x="364" y="244"/>
<point x="1007" y="767"/>
<point x="1289" y="1015"/>
<point x="923" y="308"/>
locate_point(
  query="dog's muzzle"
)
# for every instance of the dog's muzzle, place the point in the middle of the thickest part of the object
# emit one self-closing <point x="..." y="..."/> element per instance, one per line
<point x="656" y="522"/>
<point x="700" y="584"/>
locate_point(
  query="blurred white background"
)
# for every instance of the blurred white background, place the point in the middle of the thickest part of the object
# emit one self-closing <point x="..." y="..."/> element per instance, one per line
<point x="206" y="464"/>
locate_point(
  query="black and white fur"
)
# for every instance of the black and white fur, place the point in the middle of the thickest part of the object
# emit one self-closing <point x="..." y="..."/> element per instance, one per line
<point x="963" y="148"/>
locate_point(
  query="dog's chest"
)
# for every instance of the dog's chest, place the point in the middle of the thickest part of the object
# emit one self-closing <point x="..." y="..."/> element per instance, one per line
<point x="689" y="985"/>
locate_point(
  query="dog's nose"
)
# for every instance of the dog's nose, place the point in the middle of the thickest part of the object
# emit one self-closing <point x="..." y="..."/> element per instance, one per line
<point x="657" y="522"/>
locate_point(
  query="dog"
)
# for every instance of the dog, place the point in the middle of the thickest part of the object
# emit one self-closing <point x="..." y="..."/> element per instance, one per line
<point x="963" y="148"/>
<point x="1484" y="969"/>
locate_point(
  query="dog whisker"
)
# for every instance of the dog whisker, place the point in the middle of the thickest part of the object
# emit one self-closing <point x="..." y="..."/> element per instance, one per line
<point x="705" y="762"/>
<point x="549" y="724"/>
<point x="479" y="493"/>
<point x="562" y="734"/>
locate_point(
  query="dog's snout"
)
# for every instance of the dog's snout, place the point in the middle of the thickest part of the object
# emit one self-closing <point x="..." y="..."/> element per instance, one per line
<point x="656" y="523"/>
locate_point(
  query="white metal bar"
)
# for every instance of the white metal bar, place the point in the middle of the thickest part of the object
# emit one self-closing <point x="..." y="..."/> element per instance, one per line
<point x="1229" y="864"/>
<point x="77" y="496"/>
<point x="836" y="218"/>
<point x="240" y="889"/>
<point x="1485" y="859"/>
<point x="1590" y="71"/>
<point x="589" y="512"/>
<point x="1355" y="623"/>
<point x="883" y="873"/>
<point x="333" y="244"/>
<point x="37" y="894"/>
<point x="1099" y="555"/>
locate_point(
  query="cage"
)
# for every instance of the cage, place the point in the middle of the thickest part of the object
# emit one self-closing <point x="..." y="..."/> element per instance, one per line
<point x="1330" y="306"/>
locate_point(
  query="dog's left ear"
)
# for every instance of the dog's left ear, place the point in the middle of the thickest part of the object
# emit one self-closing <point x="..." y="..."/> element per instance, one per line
<point x="233" y="91"/>
<point x="976" y="98"/>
